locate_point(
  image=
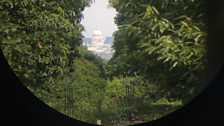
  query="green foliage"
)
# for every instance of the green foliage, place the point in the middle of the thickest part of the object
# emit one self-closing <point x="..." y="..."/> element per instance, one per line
<point x="88" y="87"/>
<point x="39" y="38"/>
<point x="163" y="40"/>
<point x="132" y="99"/>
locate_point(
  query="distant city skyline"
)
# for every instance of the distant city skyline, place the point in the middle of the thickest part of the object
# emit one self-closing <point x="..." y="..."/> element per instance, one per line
<point x="99" y="15"/>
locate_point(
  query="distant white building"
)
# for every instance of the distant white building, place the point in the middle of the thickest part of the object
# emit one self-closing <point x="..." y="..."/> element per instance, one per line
<point x="98" y="47"/>
<point x="97" y="38"/>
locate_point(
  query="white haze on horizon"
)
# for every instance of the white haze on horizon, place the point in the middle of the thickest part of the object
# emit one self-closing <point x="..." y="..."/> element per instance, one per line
<point x="99" y="15"/>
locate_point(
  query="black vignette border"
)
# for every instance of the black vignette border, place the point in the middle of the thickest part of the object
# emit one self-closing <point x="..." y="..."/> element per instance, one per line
<point x="22" y="108"/>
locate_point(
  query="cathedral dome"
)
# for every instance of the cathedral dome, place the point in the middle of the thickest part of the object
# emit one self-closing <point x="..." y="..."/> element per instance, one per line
<point x="97" y="33"/>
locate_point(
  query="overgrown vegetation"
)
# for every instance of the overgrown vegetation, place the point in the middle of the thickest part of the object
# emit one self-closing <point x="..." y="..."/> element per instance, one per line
<point x="160" y="54"/>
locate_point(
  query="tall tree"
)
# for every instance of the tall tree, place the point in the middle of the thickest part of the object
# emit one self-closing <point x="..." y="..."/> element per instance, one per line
<point x="39" y="38"/>
<point x="164" y="41"/>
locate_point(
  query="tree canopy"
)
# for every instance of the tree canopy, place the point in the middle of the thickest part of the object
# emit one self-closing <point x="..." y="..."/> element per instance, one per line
<point x="162" y="40"/>
<point x="43" y="34"/>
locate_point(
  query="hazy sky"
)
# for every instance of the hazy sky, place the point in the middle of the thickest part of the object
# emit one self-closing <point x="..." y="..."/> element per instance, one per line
<point x="99" y="15"/>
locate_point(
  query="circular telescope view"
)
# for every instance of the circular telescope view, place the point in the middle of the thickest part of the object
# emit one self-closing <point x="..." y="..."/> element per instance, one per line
<point x="107" y="62"/>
